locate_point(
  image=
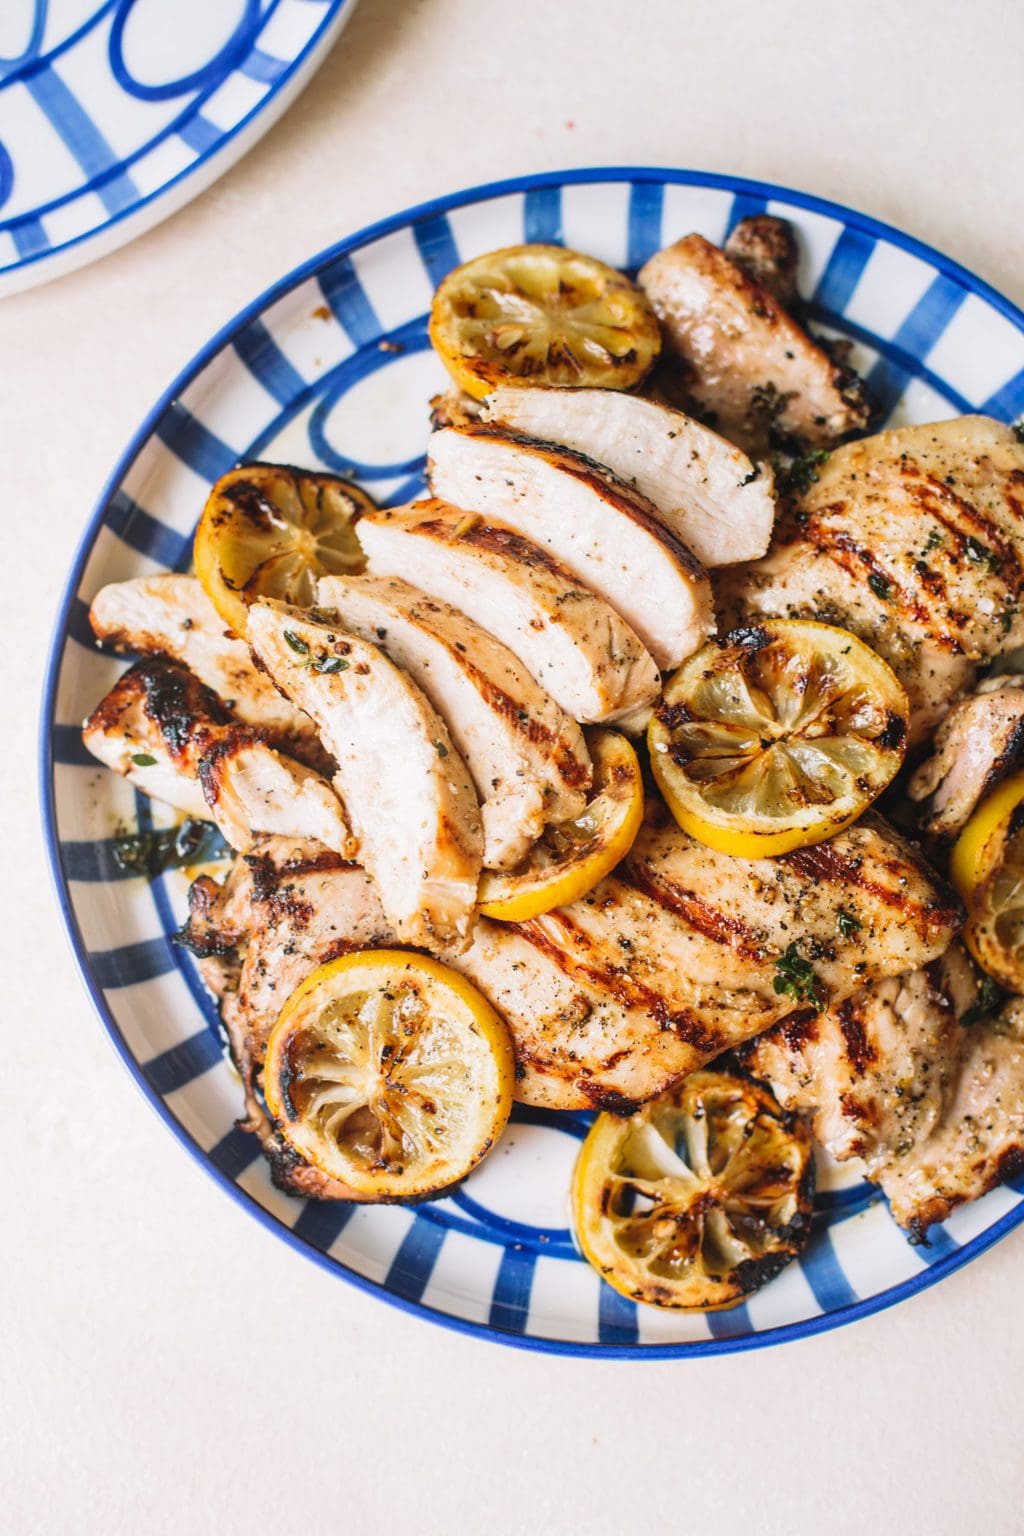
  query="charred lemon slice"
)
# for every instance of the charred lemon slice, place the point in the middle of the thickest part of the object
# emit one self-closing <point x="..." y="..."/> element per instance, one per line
<point x="987" y="868"/>
<point x="270" y="531"/>
<point x="777" y="736"/>
<point x="539" y="314"/>
<point x="697" y="1199"/>
<point x="390" y="1073"/>
<point x="573" y="856"/>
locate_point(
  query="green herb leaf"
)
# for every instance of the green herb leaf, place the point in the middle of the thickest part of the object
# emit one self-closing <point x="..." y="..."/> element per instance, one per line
<point x="143" y="760"/>
<point x="847" y="923"/>
<point x="150" y="853"/>
<point x="796" y="977"/>
<point x="987" y="999"/>
<point x="295" y="643"/>
<point x="880" y="585"/>
<point x="440" y="749"/>
<point x="934" y="540"/>
<point x="800" y="475"/>
<point x="980" y="554"/>
<point x="1018" y="430"/>
<point x="330" y="664"/>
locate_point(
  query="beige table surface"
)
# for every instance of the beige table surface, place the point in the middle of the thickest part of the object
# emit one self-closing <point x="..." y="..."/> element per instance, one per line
<point x="167" y="1365"/>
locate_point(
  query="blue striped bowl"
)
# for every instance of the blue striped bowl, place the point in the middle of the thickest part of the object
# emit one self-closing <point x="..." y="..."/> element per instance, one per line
<point x="332" y="369"/>
<point x="107" y="124"/>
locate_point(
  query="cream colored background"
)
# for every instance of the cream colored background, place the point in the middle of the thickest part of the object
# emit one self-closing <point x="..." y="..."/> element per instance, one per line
<point x="167" y="1365"/>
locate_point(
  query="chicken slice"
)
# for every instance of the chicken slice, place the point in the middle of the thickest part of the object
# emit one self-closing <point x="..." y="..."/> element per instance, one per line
<point x="934" y="1107"/>
<point x="748" y="369"/>
<point x="979" y="742"/>
<point x="406" y="788"/>
<point x="576" y="646"/>
<point x="606" y="533"/>
<point x="765" y="248"/>
<point x="705" y="490"/>
<point x="663" y="940"/>
<point x="528" y="759"/>
<point x="171" y="615"/>
<point x="161" y="729"/>
<point x="914" y="540"/>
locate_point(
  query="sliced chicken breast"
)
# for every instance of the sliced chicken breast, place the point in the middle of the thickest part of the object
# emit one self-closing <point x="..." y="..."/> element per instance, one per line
<point x="935" y="1108"/>
<point x="527" y="758"/>
<point x="607" y="534"/>
<point x="577" y="647"/>
<point x="979" y="742"/>
<point x="162" y="730"/>
<point x="913" y="539"/>
<point x="747" y="368"/>
<point x="408" y="792"/>
<point x="705" y="490"/>
<point x="765" y="248"/>
<point x="171" y="615"/>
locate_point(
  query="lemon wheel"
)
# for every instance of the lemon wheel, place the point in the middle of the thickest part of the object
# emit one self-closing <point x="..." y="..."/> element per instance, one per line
<point x="777" y="736"/>
<point x="987" y="868"/>
<point x="390" y="1073"/>
<point x="573" y="856"/>
<point x="697" y="1199"/>
<point x="540" y="314"/>
<point x="271" y="531"/>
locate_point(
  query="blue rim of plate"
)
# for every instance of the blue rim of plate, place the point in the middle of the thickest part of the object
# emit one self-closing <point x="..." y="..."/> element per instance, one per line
<point x="282" y="73"/>
<point x="740" y="187"/>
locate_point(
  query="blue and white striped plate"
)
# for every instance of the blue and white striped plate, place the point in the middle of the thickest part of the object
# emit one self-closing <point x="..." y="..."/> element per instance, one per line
<point x="115" y="113"/>
<point x="332" y="369"/>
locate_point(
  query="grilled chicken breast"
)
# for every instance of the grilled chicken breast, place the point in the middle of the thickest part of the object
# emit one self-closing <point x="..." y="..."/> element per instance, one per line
<point x="705" y="489"/>
<point x="408" y="792"/>
<point x="747" y="368"/>
<point x="766" y="250"/>
<point x="161" y="729"/>
<point x="687" y="944"/>
<point x="913" y="539"/>
<point x="171" y="615"/>
<point x="607" y="534"/>
<point x="935" y="1109"/>
<point x="527" y="758"/>
<point x="979" y="742"/>
<point x="577" y="647"/>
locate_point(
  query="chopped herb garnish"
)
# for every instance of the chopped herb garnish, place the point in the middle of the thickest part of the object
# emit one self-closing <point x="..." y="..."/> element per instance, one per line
<point x="1018" y="430"/>
<point x="796" y="977"/>
<point x="330" y="664"/>
<point x="848" y="924"/>
<point x="143" y="760"/>
<point x="295" y="643"/>
<point x="987" y="999"/>
<point x="440" y="749"/>
<point x="934" y="540"/>
<point x="1006" y="619"/>
<point x="800" y="475"/>
<point x="980" y="554"/>
<point x="880" y="585"/>
<point x="150" y="853"/>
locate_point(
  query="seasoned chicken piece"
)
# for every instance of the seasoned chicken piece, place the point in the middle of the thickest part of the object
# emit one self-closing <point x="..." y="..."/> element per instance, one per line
<point x="528" y="759"/>
<point x="689" y="945"/>
<point x="407" y="790"/>
<point x="747" y="368"/>
<point x="765" y="249"/>
<point x="171" y="615"/>
<point x="979" y="742"/>
<point x="704" y="489"/>
<point x="162" y="730"/>
<point x="576" y="646"/>
<point x="606" y="533"/>
<point x="913" y="539"/>
<point x="933" y="1106"/>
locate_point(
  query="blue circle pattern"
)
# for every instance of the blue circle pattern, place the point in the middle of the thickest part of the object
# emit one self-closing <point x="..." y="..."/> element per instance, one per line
<point x="900" y="360"/>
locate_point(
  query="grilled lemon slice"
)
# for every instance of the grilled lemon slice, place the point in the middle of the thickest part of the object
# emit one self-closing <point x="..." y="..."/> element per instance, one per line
<point x="390" y="1073"/>
<point x="271" y="531"/>
<point x="539" y="314"/>
<point x="572" y="856"/>
<point x="697" y="1199"/>
<point x="777" y="736"/>
<point x="987" y="868"/>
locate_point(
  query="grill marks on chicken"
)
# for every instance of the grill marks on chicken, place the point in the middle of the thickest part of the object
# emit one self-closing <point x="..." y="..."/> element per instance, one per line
<point x="576" y="646"/>
<point x="407" y="791"/>
<point x="746" y="366"/>
<point x="979" y="742"/>
<point x="914" y="540"/>
<point x="528" y="759"/>
<point x="161" y="729"/>
<point x="933" y="1106"/>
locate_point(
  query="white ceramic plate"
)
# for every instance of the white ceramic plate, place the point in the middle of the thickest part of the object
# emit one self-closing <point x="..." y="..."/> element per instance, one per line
<point x="332" y="369"/>
<point x="115" y="113"/>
